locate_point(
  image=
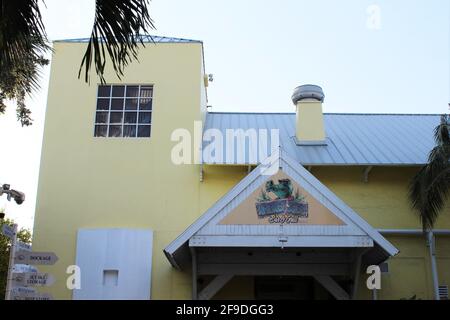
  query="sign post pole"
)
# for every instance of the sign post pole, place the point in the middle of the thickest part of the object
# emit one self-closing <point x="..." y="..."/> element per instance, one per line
<point x="12" y="253"/>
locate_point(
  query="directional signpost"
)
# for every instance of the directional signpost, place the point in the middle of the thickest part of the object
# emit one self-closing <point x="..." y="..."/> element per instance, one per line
<point x="28" y="257"/>
<point x="8" y="231"/>
<point x="24" y="290"/>
<point x="29" y="295"/>
<point x="22" y="276"/>
<point x="24" y="268"/>
<point x="23" y="246"/>
<point x="27" y="279"/>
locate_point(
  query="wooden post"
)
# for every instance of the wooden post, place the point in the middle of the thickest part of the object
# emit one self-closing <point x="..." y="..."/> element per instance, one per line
<point x="12" y="254"/>
<point x="194" y="274"/>
<point x="357" y="274"/>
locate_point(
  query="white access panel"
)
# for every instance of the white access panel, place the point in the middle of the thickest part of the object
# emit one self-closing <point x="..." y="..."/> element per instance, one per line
<point x="115" y="264"/>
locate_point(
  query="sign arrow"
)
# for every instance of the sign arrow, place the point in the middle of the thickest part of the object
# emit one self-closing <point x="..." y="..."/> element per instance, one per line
<point x="31" y="296"/>
<point x="21" y="268"/>
<point x="28" y="279"/>
<point x="8" y="231"/>
<point x="23" y="290"/>
<point x="27" y="257"/>
<point x="23" y="246"/>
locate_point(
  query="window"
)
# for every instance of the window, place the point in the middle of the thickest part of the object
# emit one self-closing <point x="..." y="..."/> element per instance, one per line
<point x="124" y="111"/>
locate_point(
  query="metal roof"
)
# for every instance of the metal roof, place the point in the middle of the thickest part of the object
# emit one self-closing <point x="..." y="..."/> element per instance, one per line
<point x="352" y="139"/>
<point x="145" y="38"/>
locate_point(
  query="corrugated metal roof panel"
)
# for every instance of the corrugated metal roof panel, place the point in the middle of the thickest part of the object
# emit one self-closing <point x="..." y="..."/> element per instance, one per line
<point x="352" y="139"/>
<point x="145" y="38"/>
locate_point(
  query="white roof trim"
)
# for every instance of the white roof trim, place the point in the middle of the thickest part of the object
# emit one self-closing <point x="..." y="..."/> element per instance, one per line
<point x="211" y="212"/>
<point x="349" y="212"/>
<point x="269" y="164"/>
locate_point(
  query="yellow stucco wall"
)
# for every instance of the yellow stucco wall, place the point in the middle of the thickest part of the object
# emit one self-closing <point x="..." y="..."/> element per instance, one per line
<point x="383" y="203"/>
<point x="131" y="183"/>
<point x="96" y="182"/>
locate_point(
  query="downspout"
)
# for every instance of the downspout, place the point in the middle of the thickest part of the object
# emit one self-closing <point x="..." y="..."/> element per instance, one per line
<point x="374" y="294"/>
<point x="434" y="272"/>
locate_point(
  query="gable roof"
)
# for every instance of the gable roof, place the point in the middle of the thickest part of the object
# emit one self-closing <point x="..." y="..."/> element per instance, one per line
<point x="357" y="230"/>
<point x="144" y="38"/>
<point x="352" y="139"/>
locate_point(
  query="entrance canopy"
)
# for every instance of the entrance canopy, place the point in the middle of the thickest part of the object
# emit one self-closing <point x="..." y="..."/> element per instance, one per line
<point x="279" y="220"/>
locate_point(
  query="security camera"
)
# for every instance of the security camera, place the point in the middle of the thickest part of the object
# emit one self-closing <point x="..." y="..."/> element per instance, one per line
<point x="18" y="196"/>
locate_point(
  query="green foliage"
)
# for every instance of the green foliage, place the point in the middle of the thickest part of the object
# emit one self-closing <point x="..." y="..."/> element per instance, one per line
<point x="24" y="44"/>
<point x="430" y="187"/>
<point x="116" y="33"/>
<point x="23" y="235"/>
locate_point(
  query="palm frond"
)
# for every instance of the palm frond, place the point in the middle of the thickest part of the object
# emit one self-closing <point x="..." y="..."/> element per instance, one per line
<point x="430" y="187"/>
<point x="115" y="35"/>
<point x="23" y="44"/>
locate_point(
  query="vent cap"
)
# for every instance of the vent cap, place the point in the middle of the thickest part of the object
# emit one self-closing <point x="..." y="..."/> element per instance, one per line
<point x="308" y="91"/>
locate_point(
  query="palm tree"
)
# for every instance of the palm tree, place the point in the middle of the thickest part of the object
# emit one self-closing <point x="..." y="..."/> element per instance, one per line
<point x="430" y="187"/>
<point x="23" y="45"/>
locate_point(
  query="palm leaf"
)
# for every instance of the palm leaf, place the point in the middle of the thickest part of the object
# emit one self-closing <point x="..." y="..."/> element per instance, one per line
<point x="430" y="187"/>
<point x="23" y="43"/>
<point x="115" y="35"/>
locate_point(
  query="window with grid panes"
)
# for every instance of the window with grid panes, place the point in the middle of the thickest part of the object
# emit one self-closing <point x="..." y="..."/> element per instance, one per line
<point x="124" y="111"/>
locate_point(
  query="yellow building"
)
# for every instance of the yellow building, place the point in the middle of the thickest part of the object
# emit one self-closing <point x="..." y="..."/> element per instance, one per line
<point x="260" y="205"/>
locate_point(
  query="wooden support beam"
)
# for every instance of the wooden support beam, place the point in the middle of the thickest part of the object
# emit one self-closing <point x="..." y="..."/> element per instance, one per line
<point x="275" y="269"/>
<point x="214" y="286"/>
<point x="357" y="270"/>
<point x="251" y="256"/>
<point x="333" y="287"/>
<point x="194" y="274"/>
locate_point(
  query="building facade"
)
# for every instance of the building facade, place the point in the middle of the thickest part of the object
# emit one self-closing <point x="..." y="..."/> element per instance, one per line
<point x="154" y="197"/>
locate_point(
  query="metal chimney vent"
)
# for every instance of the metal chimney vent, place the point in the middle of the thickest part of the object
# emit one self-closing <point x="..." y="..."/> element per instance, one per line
<point x="308" y="91"/>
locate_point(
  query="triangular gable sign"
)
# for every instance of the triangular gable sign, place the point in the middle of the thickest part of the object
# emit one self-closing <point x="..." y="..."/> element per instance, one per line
<point x="280" y="203"/>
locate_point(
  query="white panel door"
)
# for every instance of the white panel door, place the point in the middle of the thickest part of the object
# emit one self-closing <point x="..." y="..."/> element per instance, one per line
<point x="114" y="263"/>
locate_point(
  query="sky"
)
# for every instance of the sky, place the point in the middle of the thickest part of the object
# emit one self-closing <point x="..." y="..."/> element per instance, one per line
<point x="385" y="56"/>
